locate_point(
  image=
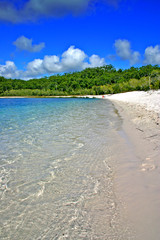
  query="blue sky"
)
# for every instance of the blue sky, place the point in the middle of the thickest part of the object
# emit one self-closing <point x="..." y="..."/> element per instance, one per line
<point x="45" y="37"/>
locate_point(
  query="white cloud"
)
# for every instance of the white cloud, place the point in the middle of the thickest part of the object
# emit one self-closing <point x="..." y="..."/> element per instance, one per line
<point x="34" y="68"/>
<point x="55" y="8"/>
<point x="124" y="51"/>
<point x="135" y="58"/>
<point x="52" y="64"/>
<point x="29" y="10"/>
<point x="152" y="55"/>
<point x="96" y="61"/>
<point x="8" y="70"/>
<point x="22" y="11"/>
<point x="72" y="59"/>
<point x="23" y="43"/>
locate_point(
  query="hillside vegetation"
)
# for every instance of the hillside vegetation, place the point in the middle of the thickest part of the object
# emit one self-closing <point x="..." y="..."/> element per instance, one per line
<point x="99" y="80"/>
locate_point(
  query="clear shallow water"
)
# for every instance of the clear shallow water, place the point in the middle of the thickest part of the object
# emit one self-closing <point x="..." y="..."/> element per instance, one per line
<point x="57" y="170"/>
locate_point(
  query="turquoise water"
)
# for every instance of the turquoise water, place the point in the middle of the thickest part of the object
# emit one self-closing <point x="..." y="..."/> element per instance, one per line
<point x="57" y="169"/>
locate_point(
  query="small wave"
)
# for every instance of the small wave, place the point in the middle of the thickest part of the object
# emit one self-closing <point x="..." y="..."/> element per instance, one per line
<point x="4" y="179"/>
<point x="41" y="191"/>
<point x="43" y="184"/>
<point x="73" y="152"/>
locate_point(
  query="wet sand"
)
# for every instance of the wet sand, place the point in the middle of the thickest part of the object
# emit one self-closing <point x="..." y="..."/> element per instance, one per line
<point x="138" y="176"/>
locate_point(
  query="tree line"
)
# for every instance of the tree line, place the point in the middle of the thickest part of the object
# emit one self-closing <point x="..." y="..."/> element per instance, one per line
<point x="93" y="81"/>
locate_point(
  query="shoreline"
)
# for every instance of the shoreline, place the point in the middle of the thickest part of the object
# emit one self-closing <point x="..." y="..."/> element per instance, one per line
<point x="135" y="153"/>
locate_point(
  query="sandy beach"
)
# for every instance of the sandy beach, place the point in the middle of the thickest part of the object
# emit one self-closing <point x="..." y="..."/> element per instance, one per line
<point x="140" y="112"/>
<point x="141" y="115"/>
<point x="139" y="181"/>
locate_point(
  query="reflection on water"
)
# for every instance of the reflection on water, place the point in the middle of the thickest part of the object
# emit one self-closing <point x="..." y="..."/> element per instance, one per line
<point x="57" y="170"/>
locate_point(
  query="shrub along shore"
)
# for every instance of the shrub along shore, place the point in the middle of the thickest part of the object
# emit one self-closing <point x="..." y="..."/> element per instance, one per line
<point x="91" y="81"/>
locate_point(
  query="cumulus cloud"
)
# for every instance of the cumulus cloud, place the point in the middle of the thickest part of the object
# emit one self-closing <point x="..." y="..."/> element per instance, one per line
<point x="34" y="68"/>
<point x="96" y="61"/>
<point x="29" y="10"/>
<point x="72" y="59"/>
<point x="124" y="51"/>
<point x="8" y="70"/>
<point x="52" y="64"/>
<point x="152" y="55"/>
<point x="23" y="43"/>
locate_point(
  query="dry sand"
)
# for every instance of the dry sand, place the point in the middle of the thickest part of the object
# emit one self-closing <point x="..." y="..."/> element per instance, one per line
<point x="141" y="115"/>
<point x="140" y="112"/>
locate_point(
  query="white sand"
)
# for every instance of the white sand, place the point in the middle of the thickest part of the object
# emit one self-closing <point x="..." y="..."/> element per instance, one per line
<point x="149" y="100"/>
<point x="141" y="110"/>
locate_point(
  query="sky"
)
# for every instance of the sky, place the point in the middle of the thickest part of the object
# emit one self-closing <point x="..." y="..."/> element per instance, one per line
<point x="45" y="37"/>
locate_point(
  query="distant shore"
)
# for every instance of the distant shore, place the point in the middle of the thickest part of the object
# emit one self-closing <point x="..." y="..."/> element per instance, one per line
<point x="36" y="96"/>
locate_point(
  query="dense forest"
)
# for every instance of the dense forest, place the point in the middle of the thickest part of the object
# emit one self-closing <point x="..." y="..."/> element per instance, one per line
<point x="99" y="80"/>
